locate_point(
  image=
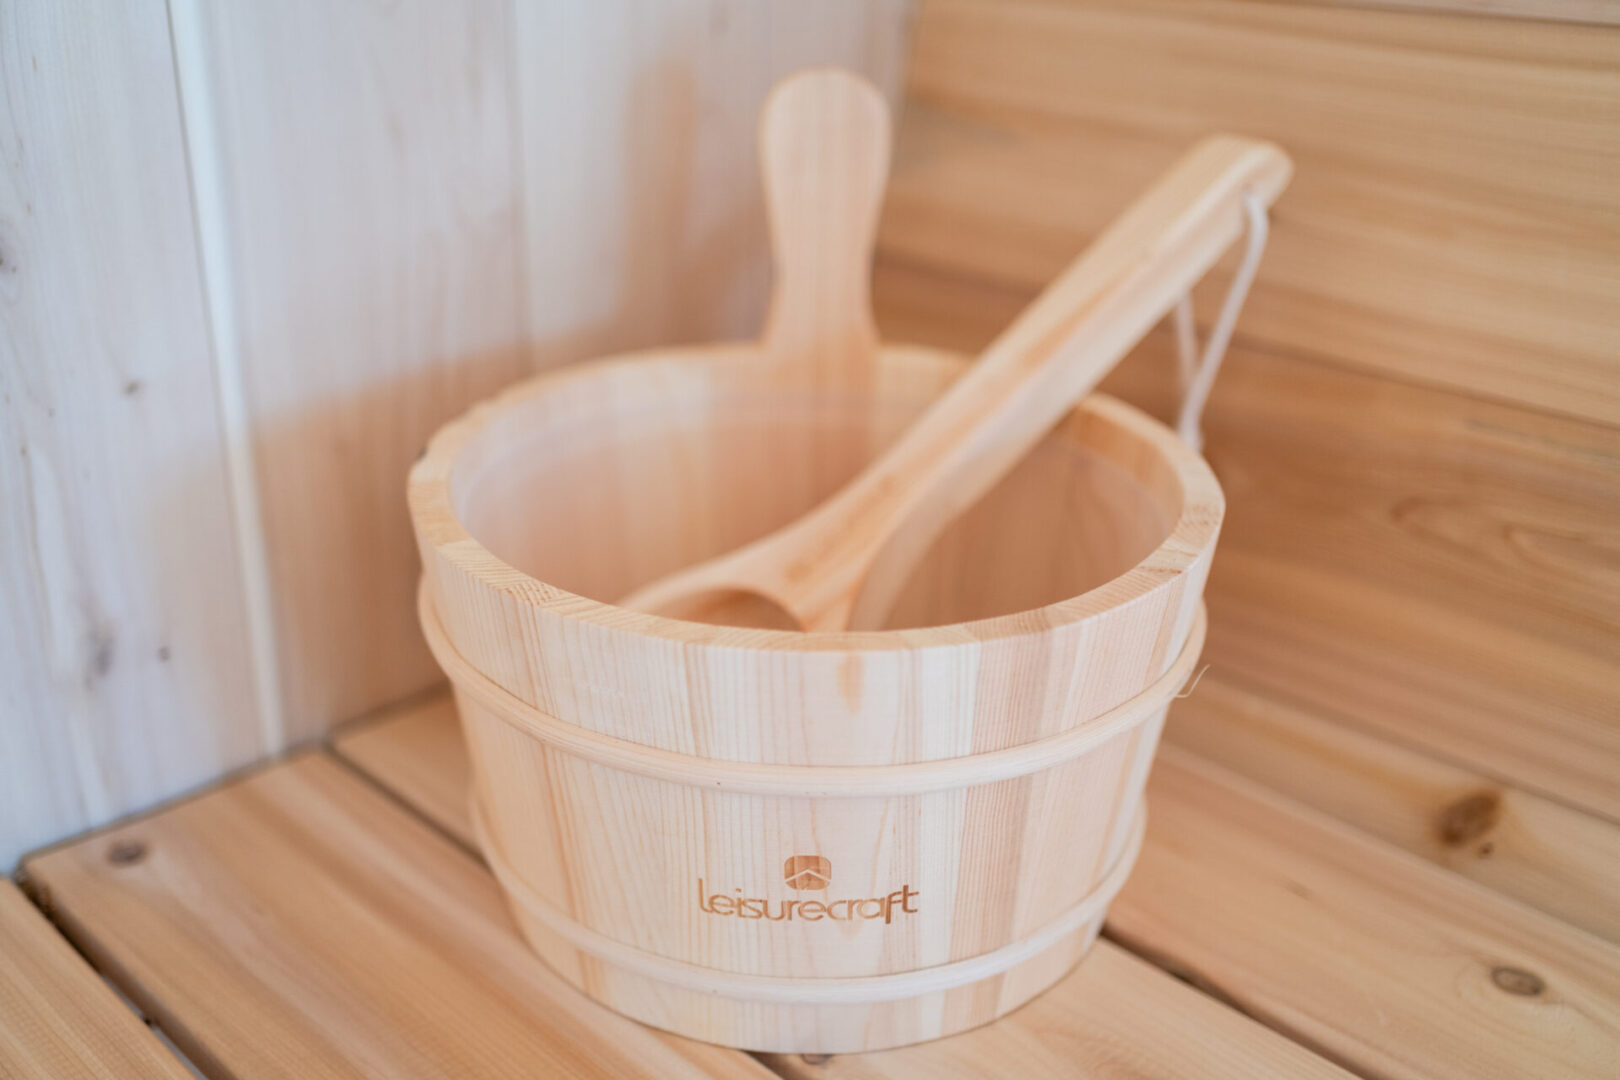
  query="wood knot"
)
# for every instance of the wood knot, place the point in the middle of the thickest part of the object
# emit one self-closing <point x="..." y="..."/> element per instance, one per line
<point x="1518" y="981"/>
<point x="1469" y="818"/>
<point x="126" y="852"/>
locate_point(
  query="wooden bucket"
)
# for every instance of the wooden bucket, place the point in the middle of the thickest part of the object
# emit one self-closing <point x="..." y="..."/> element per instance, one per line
<point x="790" y="842"/>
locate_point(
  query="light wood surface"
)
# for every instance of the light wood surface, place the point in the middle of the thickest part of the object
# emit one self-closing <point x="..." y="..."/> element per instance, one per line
<point x="417" y="751"/>
<point x="1454" y="593"/>
<point x="1115" y="1016"/>
<point x="1381" y="961"/>
<point x="1109" y="1015"/>
<point x="369" y="207"/>
<point x="1452" y="216"/>
<point x="300" y="923"/>
<point x="842" y="564"/>
<point x="410" y="198"/>
<point x="124" y="664"/>
<point x="250" y="256"/>
<point x="1526" y="846"/>
<point x="1435" y="568"/>
<point x="644" y="215"/>
<point x="1603" y="12"/>
<point x="58" y="1020"/>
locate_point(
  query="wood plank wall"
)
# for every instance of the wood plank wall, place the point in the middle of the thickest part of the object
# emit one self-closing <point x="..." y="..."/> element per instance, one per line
<point x="1419" y="424"/>
<point x="250" y="256"/>
<point x="123" y="635"/>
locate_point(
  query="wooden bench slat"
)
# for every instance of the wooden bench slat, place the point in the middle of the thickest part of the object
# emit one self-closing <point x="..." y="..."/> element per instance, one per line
<point x="1106" y="1019"/>
<point x="1376" y="958"/>
<point x="418" y="753"/>
<point x="57" y="1018"/>
<point x="1116" y="1015"/>
<point x="300" y="923"/>
<point x="1548" y="855"/>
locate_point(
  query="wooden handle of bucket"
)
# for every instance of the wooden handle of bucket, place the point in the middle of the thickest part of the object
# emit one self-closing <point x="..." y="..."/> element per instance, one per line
<point x="824" y="150"/>
<point x="1052" y="355"/>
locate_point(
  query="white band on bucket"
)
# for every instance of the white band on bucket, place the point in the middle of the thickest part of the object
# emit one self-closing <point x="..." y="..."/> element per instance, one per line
<point x="837" y="990"/>
<point x="812" y="781"/>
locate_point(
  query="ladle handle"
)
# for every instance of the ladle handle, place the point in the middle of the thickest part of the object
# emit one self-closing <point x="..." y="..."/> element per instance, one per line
<point x="1058" y="349"/>
<point x="824" y="151"/>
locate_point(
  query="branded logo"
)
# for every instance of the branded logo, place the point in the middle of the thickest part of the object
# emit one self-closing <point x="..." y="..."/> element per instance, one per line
<point x="807" y="872"/>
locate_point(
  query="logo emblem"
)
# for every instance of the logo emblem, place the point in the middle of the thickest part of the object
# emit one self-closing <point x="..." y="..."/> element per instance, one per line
<point x="807" y="872"/>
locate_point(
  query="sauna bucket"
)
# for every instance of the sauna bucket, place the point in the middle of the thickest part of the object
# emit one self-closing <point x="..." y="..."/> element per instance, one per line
<point x="804" y="842"/>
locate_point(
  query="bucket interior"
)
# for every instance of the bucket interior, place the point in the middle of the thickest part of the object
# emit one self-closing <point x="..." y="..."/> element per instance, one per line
<point x="630" y="471"/>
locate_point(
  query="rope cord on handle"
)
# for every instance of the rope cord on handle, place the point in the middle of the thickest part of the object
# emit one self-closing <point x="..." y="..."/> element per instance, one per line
<point x="1197" y="375"/>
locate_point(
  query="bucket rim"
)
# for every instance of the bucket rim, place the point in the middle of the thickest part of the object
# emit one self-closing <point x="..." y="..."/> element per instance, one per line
<point x="1191" y="536"/>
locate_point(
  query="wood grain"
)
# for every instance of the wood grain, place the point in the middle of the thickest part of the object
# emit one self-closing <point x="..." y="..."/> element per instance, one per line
<point x="57" y="1018"/>
<point x="1604" y="12"/>
<point x="300" y="923"/>
<point x="123" y="659"/>
<point x="1108" y="1017"/>
<point x="411" y="195"/>
<point x="1526" y="846"/>
<point x="644" y="213"/>
<point x="371" y="215"/>
<point x="1435" y="568"/>
<point x="1453" y="218"/>
<point x="1115" y="1016"/>
<point x="192" y="523"/>
<point x="417" y="751"/>
<point x="1389" y="965"/>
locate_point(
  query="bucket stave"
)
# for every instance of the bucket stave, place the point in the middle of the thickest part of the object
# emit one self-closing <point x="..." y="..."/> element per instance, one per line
<point x="811" y="843"/>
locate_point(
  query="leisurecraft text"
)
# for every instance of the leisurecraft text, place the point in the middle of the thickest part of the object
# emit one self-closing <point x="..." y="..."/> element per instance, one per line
<point x="873" y="907"/>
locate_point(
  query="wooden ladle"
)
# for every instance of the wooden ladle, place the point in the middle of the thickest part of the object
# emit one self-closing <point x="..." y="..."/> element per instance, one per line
<point x="842" y="564"/>
<point x="824" y="153"/>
